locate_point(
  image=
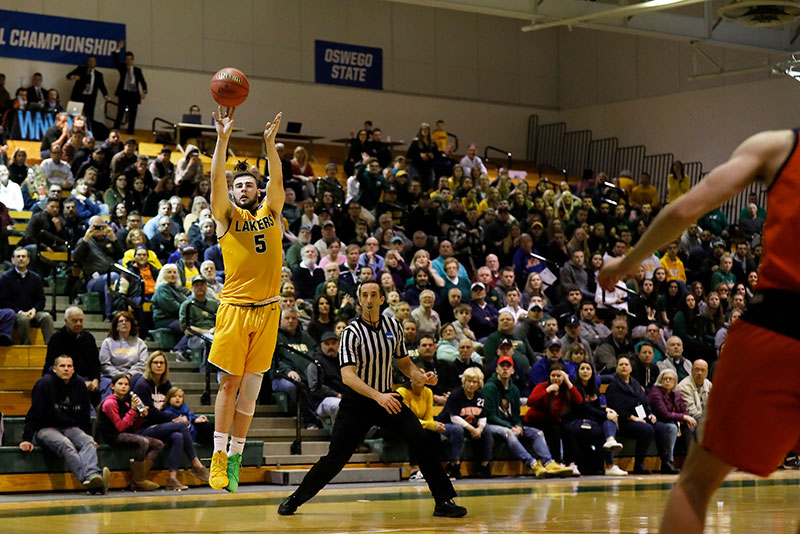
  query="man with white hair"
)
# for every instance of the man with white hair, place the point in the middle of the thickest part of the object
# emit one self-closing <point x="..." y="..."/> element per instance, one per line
<point x="80" y="345"/>
<point x="307" y="276"/>
<point x="675" y="359"/>
<point x="293" y="253"/>
<point x="471" y="159"/>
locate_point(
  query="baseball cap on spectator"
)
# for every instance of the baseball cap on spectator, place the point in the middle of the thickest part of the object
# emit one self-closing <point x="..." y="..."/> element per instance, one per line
<point x="391" y="188"/>
<point x="327" y="223"/>
<point x="329" y="335"/>
<point x="397" y="239"/>
<point x="505" y="341"/>
<point x="140" y="247"/>
<point x="166" y="150"/>
<point x="502" y="207"/>
<point x="572" y="320"/>
<point x="424" y="194"/>
<point x="505" y="359"/>
<point x="477" y="285"/>
<point x="188" y="248"/>
<point x="306" y="227"/>
<point x="719" y="244"/>
<point x="553" y="342"/>
<point x="198" y="278"/>
<point x="535" y="306"/>
<point x="402" y="173"/>
<point x="436" y="197"/>
<point x="329" y="165"/>
<point x="537" y="223"/>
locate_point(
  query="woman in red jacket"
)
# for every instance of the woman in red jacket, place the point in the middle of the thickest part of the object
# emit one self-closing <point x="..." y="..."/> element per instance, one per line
<point x="548" y="403"/>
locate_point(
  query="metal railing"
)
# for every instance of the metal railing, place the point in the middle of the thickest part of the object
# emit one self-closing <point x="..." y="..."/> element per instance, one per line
<point x="533" y="137"/>
<point x="630" y="158"/>
<point x="550" y="147"/>
<point x="576" y="151"/>
<point x="603" y="154"/>
<point x="166" y="137"/>
<point x="506" y="153"/>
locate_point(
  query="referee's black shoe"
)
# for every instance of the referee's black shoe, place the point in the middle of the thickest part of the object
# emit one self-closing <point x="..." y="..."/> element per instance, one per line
<point x="449" y="509"/>
<point x="289" y="506"/>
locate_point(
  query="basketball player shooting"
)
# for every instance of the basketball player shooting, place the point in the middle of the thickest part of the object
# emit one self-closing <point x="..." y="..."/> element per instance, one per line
<point x="249" y="232"/>
<point x="751" y="423"/>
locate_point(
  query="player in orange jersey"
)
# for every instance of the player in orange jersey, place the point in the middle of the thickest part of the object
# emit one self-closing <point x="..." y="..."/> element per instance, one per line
<point x="751" y="423"/>
<point x="249" y="232"/>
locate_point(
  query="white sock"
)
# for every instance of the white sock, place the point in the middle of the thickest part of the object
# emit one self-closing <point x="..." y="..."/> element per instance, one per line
<point x="237" y="446"/>
<point x="220" y="441"/>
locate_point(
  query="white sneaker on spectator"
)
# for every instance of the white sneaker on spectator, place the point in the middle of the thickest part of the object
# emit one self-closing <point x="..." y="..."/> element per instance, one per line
<point x="612" y="445"/>
<point x="575" y="471"/>
<point x="615" y="471"/>
<point x="417" y="476"/>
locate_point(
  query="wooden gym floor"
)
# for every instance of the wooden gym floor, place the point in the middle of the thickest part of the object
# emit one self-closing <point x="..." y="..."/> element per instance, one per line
<point x="745" y="504"/>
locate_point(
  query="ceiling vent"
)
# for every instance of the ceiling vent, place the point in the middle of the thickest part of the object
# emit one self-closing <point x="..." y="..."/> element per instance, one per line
<point x="761" y="13"/>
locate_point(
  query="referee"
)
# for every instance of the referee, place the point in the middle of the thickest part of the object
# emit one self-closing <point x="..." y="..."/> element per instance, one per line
<point x="365" y="355"/>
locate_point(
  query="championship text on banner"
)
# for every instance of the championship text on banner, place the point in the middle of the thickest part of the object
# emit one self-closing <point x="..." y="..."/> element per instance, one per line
<point x="346" y="64"/>
<point x="57" y="39"/>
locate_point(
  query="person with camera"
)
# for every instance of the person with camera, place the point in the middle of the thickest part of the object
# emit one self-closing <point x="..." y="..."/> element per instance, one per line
<point x="96" y="253"/>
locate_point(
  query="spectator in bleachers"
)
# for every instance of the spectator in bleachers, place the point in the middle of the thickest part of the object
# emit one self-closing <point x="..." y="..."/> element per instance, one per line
<point x="572" y="336"/>
<point x="421" y="153"/>
<point x="723" y="275"/>
<point x="57" y="171"/>
<point x="22" y="291"/>
<point x="447" y="347"/>
<point x="548" y="402"/>
<point x="79" y="345"/>
<point x="670" y="409"/>
<point x="119" y="217"/>
<point x="213" y="278"/>
<point x="643" y="367"/>
<point x="330" y="184"/>
<point x="167" y="299"/>
<point x="678" y="182"/>
<point x="453" y="276"/>
<point x="133" y="221"/>
<point x="426" y="359"/>
<point x="675" y="359"/>
<point x="427" y="319"/>
<point x="743" y="264"/>
<point x="97" y="162"/>
<point x="164" y="242"/>
<point x="119" y="417"/>
<point x="534" y="288"/>
<point x="307" y="275"/>
<point x="613" y="346"/>
<point x="83" y="152"/>
<point x="695" y="389"/>
<point x="358" y="146"/>
<point x="187" y="266"/>
<point x="669" y="302"/>
<point x="85" y="201"/>
<point x="529" y="327"/>
<point x="10" y="192"/>
<point x="594" y="426"/>
<point x="644" y="193"/>
<point x="117" y="193"/>
<point x="484" y="315"/>
<point x="328" y="237"/>
<point x="56" y="134"/>
<point x="161" y="166"/>
<point x="569" y="307"/>
<point x="327" y="389"/>
<point x="134" y="239"/>
<point x="46" y="229"/>
<point x="502" y="410"/>
<point x="471" y="159"/>
<point x="124" y="158"/>
<point x="322" y="318"/>
<point x="59" y="420"/>
<point x="188" y="171"/>
<point x="592" y="331"/>
<point x="18" y="169"/>
<point x="122" y="351"/>
<point x="200" y="428"/>
<point x="152" y="389"/>
<point x="288" y="363"/>
<point x="96" y="253"/>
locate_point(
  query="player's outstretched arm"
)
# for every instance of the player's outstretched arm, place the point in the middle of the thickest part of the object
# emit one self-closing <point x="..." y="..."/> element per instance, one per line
<point x="754" y="158"/>
<point x="220" y="201"/>
<point x="275" y="195"/>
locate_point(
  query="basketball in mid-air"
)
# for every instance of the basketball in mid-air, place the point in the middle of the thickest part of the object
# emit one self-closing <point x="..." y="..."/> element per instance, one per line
<point x="229" y="87"/>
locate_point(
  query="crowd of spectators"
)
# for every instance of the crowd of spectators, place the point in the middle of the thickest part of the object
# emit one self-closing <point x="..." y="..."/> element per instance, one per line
<point x="495" y="275"/>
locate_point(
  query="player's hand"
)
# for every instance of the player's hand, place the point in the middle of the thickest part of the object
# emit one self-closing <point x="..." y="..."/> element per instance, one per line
<point x="612" y="271"/>
<point x="431" y="379"/>
<point x="390" y="402"/>
<point x="223" y="121"/>
<point x="26" y="446"/>
<point x="271" y="129"/>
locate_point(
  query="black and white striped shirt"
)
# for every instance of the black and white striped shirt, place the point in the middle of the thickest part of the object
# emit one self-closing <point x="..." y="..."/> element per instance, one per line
<point x="371" y="350"/>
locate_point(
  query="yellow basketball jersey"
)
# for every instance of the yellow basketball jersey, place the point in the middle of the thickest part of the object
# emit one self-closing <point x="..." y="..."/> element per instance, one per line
<point x="253" y="255"/>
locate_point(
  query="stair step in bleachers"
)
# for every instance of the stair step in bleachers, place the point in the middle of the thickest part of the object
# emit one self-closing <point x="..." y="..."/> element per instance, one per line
<point x="23" y="356"/>
<point x="290" y="477"/>
<point x="309" y="459"/>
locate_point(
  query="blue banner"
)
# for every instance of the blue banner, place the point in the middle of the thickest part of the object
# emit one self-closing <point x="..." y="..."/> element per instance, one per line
<point x="57" y="39"/>
<point x="31" y="125"/>
<point x="346" y="64"/>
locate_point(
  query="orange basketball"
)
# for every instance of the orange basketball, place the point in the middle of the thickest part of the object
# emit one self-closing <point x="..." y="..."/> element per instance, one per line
<point x="229" y="87"/>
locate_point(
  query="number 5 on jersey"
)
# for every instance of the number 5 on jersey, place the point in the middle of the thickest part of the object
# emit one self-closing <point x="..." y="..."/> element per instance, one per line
<point x="260" y="243"/>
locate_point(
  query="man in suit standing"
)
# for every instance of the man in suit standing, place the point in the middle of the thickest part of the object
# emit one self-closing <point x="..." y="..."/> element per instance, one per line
<point x="88" y="80"/>
<point x="37" y="96"/>
<point x="131" y="89"/>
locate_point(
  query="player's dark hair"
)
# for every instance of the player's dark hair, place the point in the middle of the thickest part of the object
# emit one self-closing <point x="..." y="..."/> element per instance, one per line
<point x="241" y="169"/>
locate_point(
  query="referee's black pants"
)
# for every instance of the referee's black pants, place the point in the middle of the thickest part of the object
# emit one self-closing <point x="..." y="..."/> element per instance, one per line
<point x="356" y="416"/>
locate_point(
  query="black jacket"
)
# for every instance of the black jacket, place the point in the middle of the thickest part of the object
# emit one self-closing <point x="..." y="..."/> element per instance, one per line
<point x="330" y="383"/>
<point x="57" y="405"/>
<point x="82" y="349"/>
<point x="83" y="72"/>
<point x="97" y="255"/>
<point x="623" y="398"/>
<point x="141" y="84"/>
<point x="21" y="294"/>
<point x="34" y="236"/>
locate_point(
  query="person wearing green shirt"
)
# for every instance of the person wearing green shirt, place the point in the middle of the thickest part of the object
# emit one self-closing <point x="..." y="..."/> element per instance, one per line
<point x="724" y="274"/>
<point x="196" y="321"/>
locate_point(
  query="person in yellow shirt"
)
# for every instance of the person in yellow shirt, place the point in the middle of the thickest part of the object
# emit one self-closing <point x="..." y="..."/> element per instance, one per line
<point x="439" y="135"/>
<point x="673" y="264"/>
<point x="420" y="400"/>
<point x="626" y="181"/>
<point x="644" y="193"/>
<point x="678" y="182"/>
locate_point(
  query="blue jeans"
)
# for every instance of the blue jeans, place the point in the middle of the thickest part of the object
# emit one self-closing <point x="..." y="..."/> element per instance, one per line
<point x="455" y="436"/>
<point x="98" y="285"/>
<point x="531" y="434"/>
<point x="75" y="446"/>
<point x="179" y="438"/>
<point x="595" y="436"/>
<point x="666" y="436"/>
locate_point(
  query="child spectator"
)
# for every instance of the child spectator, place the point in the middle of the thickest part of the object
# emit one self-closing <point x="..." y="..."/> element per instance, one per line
<point x="120" y="416"/>
<point x="200" y="427"/>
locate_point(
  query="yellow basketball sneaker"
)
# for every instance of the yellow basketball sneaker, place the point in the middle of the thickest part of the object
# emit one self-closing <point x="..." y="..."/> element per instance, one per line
<point x="219" y="471"/>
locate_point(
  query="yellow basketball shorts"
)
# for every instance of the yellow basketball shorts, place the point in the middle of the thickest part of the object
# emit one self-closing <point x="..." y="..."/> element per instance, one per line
<point x="245" y="338"/>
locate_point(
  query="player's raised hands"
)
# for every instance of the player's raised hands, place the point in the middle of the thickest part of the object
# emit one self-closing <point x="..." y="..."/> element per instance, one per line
<point x="271" y="129"/>
<point x="223" y="120"/>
